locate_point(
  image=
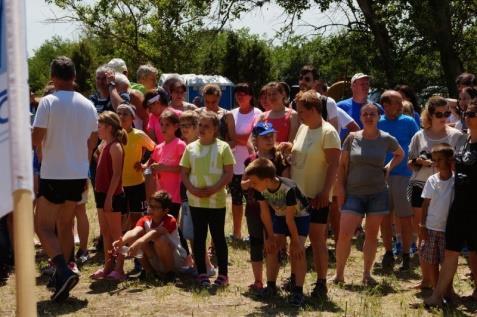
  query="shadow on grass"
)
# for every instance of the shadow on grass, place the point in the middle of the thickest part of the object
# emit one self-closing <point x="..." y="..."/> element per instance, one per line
<point x="103" y="286"/>
<point x="69" y="306"/>
<point x="279" y="305"/>
<point x="381" y="289"/>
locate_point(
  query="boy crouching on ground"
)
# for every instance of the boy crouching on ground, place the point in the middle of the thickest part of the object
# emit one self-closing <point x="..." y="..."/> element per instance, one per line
<point x="290" y="218"/>
<point x="157" y="238"/>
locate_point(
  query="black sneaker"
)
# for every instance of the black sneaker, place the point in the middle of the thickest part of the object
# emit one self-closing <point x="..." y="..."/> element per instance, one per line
<point x="51" y="285"/>
<point x="388" y="260"/>
<point x="406" y="263"/>
<point x="320" y="290"/>
<point x="64" y="284"/>
<point x="297" y="299"/>
<point x="268" y="292"/>
<point x="289" y="284"/>
<point x="169" y="277"/>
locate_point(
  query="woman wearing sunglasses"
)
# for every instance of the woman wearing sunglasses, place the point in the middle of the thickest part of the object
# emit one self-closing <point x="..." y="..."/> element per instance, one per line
<point x="435" y="131"/>
<point x="462" y="218"/>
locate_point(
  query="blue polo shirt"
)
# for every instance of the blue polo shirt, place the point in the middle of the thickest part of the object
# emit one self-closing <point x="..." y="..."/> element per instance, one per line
<point x="403" y="129"/>
<point x="353" y="108"/>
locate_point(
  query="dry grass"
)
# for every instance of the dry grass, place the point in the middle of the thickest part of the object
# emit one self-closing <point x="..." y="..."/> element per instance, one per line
<point x="392" y="297"/>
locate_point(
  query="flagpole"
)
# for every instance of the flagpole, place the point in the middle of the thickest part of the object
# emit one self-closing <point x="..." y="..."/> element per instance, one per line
<point x="21" y="156"/>
<point x="24" y="253"/>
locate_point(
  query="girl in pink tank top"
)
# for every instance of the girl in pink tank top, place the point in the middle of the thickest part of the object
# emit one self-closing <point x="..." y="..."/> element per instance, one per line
<point x="283" y="119"/>
<point x="109" y="195"/>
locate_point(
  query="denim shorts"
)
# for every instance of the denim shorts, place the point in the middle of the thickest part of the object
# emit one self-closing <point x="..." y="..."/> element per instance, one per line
<point x="372" y="204"/>
<point x="280" y="225"/>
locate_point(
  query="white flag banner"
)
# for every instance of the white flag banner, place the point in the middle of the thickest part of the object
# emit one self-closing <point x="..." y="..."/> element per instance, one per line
<point x="15" y="131"/>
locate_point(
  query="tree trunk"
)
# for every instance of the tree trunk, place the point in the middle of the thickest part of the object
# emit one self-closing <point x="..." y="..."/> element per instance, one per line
<point x="433" y="20"/>
<point x="381" y="38"/>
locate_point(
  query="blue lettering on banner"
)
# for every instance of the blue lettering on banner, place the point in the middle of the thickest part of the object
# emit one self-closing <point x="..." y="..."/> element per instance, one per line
<point x="3" y="99"/>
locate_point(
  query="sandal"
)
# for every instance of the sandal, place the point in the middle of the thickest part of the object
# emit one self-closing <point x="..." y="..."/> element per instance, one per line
<point x="221" y="281"/>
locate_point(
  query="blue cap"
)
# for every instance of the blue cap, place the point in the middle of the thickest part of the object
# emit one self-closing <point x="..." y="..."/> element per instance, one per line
<point x="263" y="128"/>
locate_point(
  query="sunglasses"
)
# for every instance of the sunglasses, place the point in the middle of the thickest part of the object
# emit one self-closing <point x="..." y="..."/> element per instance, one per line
<point x="470" y="114"/>
<point x="440" y="115"/>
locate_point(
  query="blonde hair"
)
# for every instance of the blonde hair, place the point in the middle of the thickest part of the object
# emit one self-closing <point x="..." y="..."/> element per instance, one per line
<point x="430" y="108"/>
<point x="112" y="119"/>
<point x="407" y="108"/>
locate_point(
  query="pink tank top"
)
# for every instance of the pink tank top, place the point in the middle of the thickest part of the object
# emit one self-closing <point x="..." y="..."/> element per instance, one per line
<point x="281" y="125"/>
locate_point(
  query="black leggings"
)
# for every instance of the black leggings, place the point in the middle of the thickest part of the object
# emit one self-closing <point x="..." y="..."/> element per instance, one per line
<point x="213" y="219"/>
<point x="174" y="211"/>
<point x="255" y="230"/>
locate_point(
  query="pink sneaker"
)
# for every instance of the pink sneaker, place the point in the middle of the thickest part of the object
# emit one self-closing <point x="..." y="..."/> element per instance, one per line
<point x="73" y="267"/>
<point x="116" y="276"/>
<point x="99" y="274"/>
<point x="221" y="281"/>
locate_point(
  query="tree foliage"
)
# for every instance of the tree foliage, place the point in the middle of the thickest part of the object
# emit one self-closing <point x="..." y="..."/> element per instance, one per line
<point x="418" y="42"/>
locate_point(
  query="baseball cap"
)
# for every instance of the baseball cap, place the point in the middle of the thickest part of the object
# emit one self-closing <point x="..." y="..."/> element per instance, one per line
<point x="263" y="128"/>
<point x="358" y="76"/>
<point x="118" y="65"/>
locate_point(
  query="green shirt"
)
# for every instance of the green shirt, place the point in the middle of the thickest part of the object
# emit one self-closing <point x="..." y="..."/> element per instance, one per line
<point x="206" y="163"/>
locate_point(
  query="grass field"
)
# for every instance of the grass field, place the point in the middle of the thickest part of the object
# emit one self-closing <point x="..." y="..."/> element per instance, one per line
<point x="393" y="296"/>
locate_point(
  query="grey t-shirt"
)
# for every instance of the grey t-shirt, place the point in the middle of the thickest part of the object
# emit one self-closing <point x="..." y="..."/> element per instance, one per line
<point x="366" y="162"/>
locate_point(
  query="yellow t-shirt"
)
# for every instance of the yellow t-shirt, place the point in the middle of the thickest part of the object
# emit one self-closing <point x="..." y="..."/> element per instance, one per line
<point x="133" y="150"/>
<point x="206" y="163"/>
<point x="308" y="166"/>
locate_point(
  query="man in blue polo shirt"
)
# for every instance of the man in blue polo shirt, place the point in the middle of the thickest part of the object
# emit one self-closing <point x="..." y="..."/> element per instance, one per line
<point x="360" y="90"/>
<point x="403" y="128"/>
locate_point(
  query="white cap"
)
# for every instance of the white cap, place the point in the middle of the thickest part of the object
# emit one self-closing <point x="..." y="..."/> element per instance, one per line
<point x="358" y="76"/>
<point x="118" y="65"/>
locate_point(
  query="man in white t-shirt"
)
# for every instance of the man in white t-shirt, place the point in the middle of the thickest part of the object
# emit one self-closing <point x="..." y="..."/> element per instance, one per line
<point x="66" y="127"/>
<point x="309" y="79"/>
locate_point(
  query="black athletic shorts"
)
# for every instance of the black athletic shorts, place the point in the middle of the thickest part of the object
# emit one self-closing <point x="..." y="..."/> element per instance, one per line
<point x="461" y="229"/>
<point x="414" y="195"/>
<point x="136" y="198"/>
<point x="57" y="191"/>
<point x="319" y="216"/>
<point x="119" y="201"/>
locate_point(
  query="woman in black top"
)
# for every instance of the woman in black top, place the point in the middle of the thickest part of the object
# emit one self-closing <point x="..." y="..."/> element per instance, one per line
<point x="462" y="220"/>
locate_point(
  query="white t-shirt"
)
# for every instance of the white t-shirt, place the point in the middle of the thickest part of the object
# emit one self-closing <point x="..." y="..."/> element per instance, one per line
<point x="331" y="108"/>
<point x="243" y="125"/>
<point x="69" y="119"/>
<point x="343" y="119"/>
<point x="441" y="193"/>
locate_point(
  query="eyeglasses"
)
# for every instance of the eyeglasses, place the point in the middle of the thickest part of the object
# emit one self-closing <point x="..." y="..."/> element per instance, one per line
<point x="470" y="114"/>
<point x="307" y="79"/>
<point x="440" y="115"/>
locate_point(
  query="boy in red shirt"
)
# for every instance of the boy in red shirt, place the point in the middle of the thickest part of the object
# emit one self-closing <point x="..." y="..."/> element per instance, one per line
<point x="157" y="237"/>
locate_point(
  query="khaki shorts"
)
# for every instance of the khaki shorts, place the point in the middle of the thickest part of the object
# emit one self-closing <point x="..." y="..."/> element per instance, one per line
<point x="398" y="202"/>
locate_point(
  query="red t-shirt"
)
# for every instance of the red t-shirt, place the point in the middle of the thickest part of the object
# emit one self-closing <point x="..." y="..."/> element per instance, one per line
<point x="168" y="222"/>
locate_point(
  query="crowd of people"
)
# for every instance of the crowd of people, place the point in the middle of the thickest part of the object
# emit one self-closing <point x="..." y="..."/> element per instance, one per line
<point x="304" y="167"/>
